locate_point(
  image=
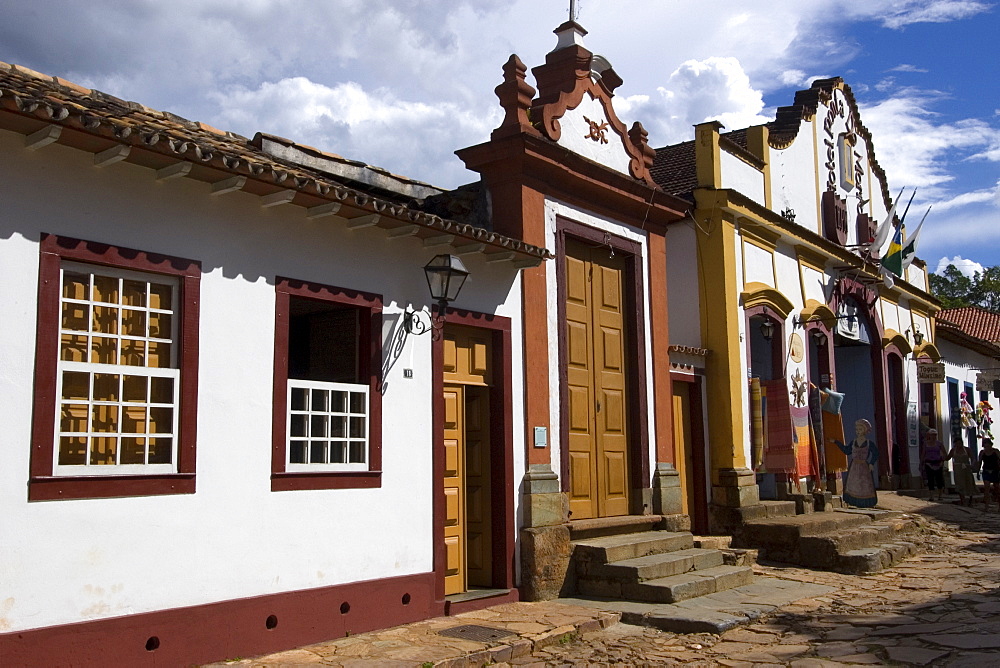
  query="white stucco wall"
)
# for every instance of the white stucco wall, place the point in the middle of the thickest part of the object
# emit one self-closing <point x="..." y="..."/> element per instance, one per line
<point x="758" y="264"/>
<point x="553" y="208"/>
<point x="77" y="560"/>
<point x="742" y="177"/>
<point x="793" y="180"/>
<point x="576" y="133"/>
<point x="683" y="299"/>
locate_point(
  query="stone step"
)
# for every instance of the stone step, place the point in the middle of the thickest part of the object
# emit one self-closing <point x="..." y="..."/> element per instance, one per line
<point x="612" y="526"/>
<point x="873" y="559"/>
<point x="779" y="508"/>
<point x="608" y="549"/>
<point x="688" y="585"/>
<point x="653" y="566"/>
<point x="778" y="531"/>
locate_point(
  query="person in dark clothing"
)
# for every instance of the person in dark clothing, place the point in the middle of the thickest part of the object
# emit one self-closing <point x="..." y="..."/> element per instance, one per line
<point x="989" y="462"/>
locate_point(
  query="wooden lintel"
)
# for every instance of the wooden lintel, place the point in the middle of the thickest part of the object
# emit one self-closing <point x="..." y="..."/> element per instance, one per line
<point x="469" y="249"/>
<point x="323" y="210"/>
<point x="228" y="185"/>
<point x="500" y="257"/>
<point x="439" y="240"/>
<point x="371" y="220"/>
<point x="112" y="155"/>
<point x="404" y="231"/>
<point x="174" y="171"/>
<point x="277" y="199"/>
<point x="43" y="137"/>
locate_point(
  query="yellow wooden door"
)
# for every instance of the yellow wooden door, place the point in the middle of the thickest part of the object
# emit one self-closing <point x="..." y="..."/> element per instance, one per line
<point x="468" y="512"/>
<point x="596" y="379"/>
<point x="454" y="489"/>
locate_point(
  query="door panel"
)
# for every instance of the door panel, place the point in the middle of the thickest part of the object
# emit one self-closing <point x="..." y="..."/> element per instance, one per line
<point x="454" y="492"/>
<point x="479" y="527"/>
<point x="596" y="383"/>
<point x="682" y="443"/>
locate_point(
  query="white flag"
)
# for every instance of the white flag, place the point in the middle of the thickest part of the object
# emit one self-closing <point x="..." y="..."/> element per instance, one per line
<point x="910" y="249"/>
<point x="885" y="229"/>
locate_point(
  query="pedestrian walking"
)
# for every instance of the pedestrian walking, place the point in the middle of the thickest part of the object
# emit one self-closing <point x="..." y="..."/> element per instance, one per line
<point x="965" y="481"/>
<point x="989" y="462"/>
<point x="933" y="459"/>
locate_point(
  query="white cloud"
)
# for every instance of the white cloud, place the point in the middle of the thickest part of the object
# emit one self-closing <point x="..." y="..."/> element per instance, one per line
<point x="414" y="139"/>
<point x="906" y="68"/>
<point x="697" y="91"/>
<point x="986" y="195"/>
<point x="906" y="12"/>
<point x="967" y="267"/>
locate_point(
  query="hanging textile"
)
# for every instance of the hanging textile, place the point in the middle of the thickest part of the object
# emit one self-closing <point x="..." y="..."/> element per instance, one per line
<point x="757" y="425"/>
<point x="804" y="448"/>
<point x="816" y="420"/>
<point x="833" y="431"/>
<point x="780" y="453"/>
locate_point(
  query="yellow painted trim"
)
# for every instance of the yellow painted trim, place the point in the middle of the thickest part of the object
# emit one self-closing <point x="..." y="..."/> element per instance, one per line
<point x="813" y="258"/>
<point x="927" y="349"/>
<point x="707" y="161"/>
<point x="815" y="310"/>
<point x="756" y="294"/>
<point x="758" y="233"/>
<point x="891" y="336"/>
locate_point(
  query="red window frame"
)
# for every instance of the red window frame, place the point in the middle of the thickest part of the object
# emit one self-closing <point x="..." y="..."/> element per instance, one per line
<point x="42" y="484"/>
<point x="371" y="363"/>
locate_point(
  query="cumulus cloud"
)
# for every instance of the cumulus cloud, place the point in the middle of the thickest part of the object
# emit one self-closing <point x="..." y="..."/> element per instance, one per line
<point x="699" y="91"/>
<point x="967" y="267"/>
<point x="415" y="139"/>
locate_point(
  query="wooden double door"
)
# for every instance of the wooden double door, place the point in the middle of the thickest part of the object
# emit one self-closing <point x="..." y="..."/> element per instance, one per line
<point x="597" y="368"/>
<point x="467" y="480"/>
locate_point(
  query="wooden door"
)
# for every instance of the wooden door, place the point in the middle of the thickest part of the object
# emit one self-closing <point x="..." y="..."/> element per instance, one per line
<point x="467" y="481"/>
<point x="684" y="450"/>
<point x="596" y="383"/>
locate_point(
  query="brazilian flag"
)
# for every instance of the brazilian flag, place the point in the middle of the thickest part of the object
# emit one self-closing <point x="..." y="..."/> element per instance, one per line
<point x="893" y="260"/>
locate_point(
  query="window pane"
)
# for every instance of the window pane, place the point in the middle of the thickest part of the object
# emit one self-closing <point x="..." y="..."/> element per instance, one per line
<point x="105" y="320"/>
<point x="159" y="325"/>
<point x="357" y="427"/>
<point x="159" y="355"/>
<point x="133" y="420"/>
<point x="161" y="296"/>
<point x="358" y="403"/>
<point x="73" y="348"/>
<point x="161" y="390"/>
<point x="74" y="316"/>
<point x="76" y="385"/>
<point x="317" y="452"/>
<point x="133" y="322"/>
<point x="104" y="419"/>
<point x="319" y="426"/>
<point x="133" y="352"/>
<point x="133" y="451"/>
<point x="102" y="451"/>
<point x="72" y="450"/>
<point x="338" y="427"/>
<point x="105" y="289"/>
<point x="339" y="404"/>
<point x="161" y="420"/>
<point x="73" y="418"/>
<point x="357" y="454"/>
<point x="298" y="425"/>
<point x="76" y="286"/>
<point x="320" y="400"/>
<point x="134" y="293"/>
<point x="297" y="452"/>
<point x="134" y="388"/>
<point x="300" y="399"/>
<point x="105" y="387"/>
<point x="103" y="350"/>
<point x="161" y="450"/>
<point x="338" y="452"/>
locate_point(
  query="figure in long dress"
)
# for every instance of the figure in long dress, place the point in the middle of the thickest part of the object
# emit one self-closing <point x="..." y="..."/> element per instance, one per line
<point x="862" y="455"/>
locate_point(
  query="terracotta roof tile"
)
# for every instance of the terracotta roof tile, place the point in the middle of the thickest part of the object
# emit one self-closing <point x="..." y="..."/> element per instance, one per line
<point x="974" y="321"/>
<point x="29" y="98"/>
<point x="674" y="169"/>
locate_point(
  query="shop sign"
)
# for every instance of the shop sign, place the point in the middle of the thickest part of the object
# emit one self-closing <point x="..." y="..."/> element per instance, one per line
<point x="912" y="426"/>
<point x="930" y="372"/>
<point x="984" y="381"/>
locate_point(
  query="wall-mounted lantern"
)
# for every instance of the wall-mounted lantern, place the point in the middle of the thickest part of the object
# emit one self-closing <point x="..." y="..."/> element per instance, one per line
<point x="767" y="329"/>
<point x="445" y="274"/>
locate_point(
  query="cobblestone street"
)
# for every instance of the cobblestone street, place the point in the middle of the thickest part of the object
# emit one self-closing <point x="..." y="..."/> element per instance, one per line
<point x="935" y="609"/>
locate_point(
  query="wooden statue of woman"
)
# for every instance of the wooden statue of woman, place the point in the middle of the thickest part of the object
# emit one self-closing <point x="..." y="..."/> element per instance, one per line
<point x="862" y="455"/>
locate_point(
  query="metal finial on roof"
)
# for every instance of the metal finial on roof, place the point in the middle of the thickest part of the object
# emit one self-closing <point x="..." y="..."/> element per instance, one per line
<point x="572" y="10"/>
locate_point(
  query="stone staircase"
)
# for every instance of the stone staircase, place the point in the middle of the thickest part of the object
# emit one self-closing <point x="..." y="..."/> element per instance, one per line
<point x="637" y="559"/>
<point x="854" y="541"/>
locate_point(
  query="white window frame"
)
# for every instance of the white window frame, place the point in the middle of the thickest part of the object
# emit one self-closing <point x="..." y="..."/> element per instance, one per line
<point x="312" y="412"/>
<point x="173" y="372"/>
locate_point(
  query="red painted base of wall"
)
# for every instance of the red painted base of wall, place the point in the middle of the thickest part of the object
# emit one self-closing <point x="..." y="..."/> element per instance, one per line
<point x="219" y="631"/>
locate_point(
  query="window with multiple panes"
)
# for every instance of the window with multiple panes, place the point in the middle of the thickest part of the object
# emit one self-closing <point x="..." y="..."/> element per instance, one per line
<point x="116" y="372"/>
<point x="327" y="404"/>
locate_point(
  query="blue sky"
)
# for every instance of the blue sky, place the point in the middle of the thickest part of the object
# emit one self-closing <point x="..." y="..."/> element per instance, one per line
<point x="403" y="84"/>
